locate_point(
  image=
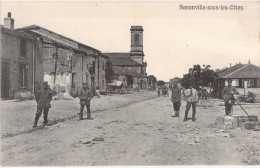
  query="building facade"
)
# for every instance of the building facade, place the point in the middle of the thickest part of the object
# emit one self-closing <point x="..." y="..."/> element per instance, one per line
<point x="20" y="61"/>
<point x="240" y="74"/>
<point x="33" y="54"/>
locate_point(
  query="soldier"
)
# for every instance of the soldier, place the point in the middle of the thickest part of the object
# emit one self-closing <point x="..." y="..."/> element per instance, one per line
<point x="165" y="91"/>
<point x="176" y="98"/>
<point x="191" y="96"/>
<point x="159" y="91"/>
<point x="228" y="96"/>
<point x="43" y="98"/>
<point x="85" y="96"/>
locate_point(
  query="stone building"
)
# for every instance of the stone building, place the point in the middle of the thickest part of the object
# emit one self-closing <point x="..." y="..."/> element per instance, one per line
<point x="240" y="74"/>
<point x="21" y="64"/>
<point x="67" y="63"/>
<point x="131" y="66"/>
<point x="88" y="66"/>
<point x="101" y="78"/>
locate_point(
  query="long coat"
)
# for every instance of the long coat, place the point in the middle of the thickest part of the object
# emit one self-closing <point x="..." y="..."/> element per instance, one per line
<point x="85" y="96"/>
<point x="176" y="95"/>
<point x="43" y="98"/>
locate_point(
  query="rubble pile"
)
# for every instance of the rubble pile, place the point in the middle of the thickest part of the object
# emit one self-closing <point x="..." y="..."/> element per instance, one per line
<point x="245" y="122"/>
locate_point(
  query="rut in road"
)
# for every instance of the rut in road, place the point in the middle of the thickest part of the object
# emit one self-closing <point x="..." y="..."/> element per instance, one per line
<point x="56" y="121"/>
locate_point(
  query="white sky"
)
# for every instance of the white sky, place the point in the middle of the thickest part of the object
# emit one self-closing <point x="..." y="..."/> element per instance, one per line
<point x="174" y="39"/>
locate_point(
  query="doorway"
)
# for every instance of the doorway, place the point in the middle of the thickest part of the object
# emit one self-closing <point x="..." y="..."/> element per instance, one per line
<point x="5" y="80"/>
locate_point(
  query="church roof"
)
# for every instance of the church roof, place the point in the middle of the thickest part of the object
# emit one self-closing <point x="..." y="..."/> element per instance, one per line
<point x="241" y="71"/>
<point x="121" y="59"/>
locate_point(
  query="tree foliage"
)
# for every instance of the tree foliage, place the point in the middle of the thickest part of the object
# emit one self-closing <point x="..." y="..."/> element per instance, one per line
<point x="152" y="80"/>
<point x="109" y="71"/>
<point x="199" y="76"/>
<point x="161" y="83"/>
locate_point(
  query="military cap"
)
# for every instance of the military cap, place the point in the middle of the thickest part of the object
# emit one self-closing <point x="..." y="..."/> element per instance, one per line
<point x="45" y="82"/>
<point x="229" y="80"/>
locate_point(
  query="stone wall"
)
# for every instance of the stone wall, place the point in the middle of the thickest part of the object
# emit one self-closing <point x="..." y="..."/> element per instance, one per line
<point x="80" y="71"/>
<point x="10" y="54"/>
<point x="101" y="75"/>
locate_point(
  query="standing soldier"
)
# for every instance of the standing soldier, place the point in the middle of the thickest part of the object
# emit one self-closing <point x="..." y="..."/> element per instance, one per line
<point x="159" y="91"/>
<point x="85" y="96"/>
<point x="228" y="96"/>
<point x="43" y="98"/>
<point x="191" y="96"/>
<point x="176" y="98"/>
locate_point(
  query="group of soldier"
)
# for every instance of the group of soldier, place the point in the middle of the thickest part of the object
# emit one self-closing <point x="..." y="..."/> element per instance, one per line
<point x="191" y="96"/>
<point x="44" y="95"/>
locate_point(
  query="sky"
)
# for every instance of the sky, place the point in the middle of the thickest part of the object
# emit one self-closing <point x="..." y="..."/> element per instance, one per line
<point x="174" y="39"/>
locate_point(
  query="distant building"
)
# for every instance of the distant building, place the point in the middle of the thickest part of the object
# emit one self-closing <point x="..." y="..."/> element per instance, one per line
<point x="176" y="79"/>
<point x="239" y="74"/>
<point x="129" y="67"/>
<point x="20" y="61"/>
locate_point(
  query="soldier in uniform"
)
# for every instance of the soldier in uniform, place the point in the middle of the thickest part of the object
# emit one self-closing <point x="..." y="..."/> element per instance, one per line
<point x="191" y="96"/>
<point x="43" y="98"/>
<point x="85" y="96"/>
<point x="176" y="98"/>
<point x="159" y="91"/>
<point x="228" y="96"/>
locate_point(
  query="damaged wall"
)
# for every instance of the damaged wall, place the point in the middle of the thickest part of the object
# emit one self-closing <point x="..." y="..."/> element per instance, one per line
<point x="18" y="51"/>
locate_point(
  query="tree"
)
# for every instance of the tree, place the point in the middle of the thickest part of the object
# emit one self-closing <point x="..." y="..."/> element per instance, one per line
<point x="152" y="80"/>
<point x="208" y="76"/>
<point x="199" y="76"/>
<point x="185" y="81"/>
<point x="161" y="83"/>
<point x="109" y="71"/>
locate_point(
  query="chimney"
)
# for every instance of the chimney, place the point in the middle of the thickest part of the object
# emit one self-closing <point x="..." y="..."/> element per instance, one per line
<point x="249" y="62"/>
<point x="9" y="22"/>
<point x="230" y="65"/>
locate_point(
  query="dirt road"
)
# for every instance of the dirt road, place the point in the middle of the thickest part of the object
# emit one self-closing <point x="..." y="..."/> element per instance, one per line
<point x="143" y="133"/>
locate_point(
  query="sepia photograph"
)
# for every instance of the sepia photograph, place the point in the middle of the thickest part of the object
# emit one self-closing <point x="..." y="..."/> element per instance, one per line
<point x="130" y="83"/>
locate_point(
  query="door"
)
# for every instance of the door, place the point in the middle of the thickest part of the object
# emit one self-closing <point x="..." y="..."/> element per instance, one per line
<point x="5" y="80"/>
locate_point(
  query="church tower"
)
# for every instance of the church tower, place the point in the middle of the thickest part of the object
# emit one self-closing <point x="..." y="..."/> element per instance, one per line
<point x="136" y="52"/>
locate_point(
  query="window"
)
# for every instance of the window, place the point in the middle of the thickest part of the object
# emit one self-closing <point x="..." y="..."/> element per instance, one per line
<point x="23" y="48"/>
<point x="103" y="65"/>
<point x="136" y="39"/>
<point x="103" y="84"/>
<point x="23" y="75"/>
<point x="73" y="80"/>
<point x="94" y="66"/>
<point x="252" y="82"/>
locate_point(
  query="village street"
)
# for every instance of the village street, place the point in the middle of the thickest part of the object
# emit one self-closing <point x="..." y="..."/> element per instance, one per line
<point x="134" y="129"/>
